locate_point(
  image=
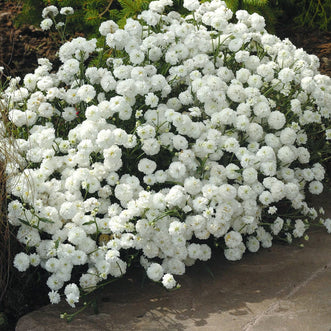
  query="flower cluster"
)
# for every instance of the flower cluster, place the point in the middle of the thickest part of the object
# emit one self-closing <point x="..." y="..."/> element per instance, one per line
<point x="190" y="130"/>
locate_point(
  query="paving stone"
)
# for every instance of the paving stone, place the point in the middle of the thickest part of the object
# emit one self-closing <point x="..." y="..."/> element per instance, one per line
<point x="284" y="288"/>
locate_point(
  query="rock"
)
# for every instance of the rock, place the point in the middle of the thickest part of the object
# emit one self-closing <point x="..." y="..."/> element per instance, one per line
<point x="282" y="288"/>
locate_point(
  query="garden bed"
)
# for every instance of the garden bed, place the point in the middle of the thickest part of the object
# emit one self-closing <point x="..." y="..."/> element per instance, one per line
<point x="19" y="52"/>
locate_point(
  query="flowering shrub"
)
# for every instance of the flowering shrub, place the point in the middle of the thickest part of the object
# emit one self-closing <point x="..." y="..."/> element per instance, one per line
<point x="191" y="130"/>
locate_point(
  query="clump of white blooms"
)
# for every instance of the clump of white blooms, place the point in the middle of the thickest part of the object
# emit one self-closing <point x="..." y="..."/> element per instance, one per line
<point x="49" y="13"/>
<point x="195" y="130"/>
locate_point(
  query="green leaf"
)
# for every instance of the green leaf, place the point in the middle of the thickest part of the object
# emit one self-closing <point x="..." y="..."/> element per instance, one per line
<point x="57" y="244"/>
<point x="91" y="14"/>
<point x="256" y="3"/>
<point x="25" y="222"/>
<point x="45" y="220"/>
<point x="88" y="223"/>
<point x="232" y="4"/>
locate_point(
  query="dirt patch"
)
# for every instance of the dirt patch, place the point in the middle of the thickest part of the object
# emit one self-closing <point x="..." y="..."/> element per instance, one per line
<point x="20" y="47"/>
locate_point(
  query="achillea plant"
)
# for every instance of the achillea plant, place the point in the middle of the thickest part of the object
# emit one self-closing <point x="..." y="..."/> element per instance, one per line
<point x="189" y="128"/>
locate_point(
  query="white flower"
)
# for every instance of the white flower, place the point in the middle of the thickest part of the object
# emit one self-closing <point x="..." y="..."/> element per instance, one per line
<point x="192" y="185"/>
<point x="107" y="27"/>
<point x="328" y="134"/>
<point x="54" y="297"/>
<point x="150" y="17"/>
<point x="176" y="196"/>
<point x="257" y="22"/>
<point x="136" y="56"/>
<point x="272" y="210"/>
<point x="177" y="228"/>
<point x="315" y="187"/>
<point x="286" y="155"/>
<point x="236" y="93"/>
<point x="66" y="11"/>
<point x="266" y="198"/>
<point x="51" y="11"/>
<point x="231" y="145"/>
<point x="277" y="225"/>
<point x="151" y="100"/>
<point x="46" y="24"/>
<point x="173" y="266"/>
<point x="52" y="265"/>
<point x="155" y="272"/>
<point x="191" y="4"/>
<point x="227" y="192"/>
<point x="34" y="259"/>
<point x="146" y="131"/>
<point x="146" y="166"/>
<point x="286" y="75"/>
<point x="288" y="136"/>
<point x="21" y="261"/>
<point x="30" y="81"/>
<point x="123" y="192"/>
<point x="151" y="146"/>
<point x="86" y="93"/>
<point x="76" y="235"/>
<point x="299" y="229"/>
<point x="54" y="282"/>
<point x="72" y="299"/>
<point x="253" y="244"/>
<point x="177" y="170"/>
<point x="233" y="239"/>
<point x="150" y="249"/>
<point x="205" y="252"/>
<point x="249" y="175"/>
<point x="276" y="120"/>
<point x="327" y="224"/>
<point x="255" y="131"/>
<point x="236" y="253"/>
<point x="168" y="281"/>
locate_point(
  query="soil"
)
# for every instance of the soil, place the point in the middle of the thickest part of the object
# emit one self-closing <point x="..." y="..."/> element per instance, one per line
<point x="20" y="47"/>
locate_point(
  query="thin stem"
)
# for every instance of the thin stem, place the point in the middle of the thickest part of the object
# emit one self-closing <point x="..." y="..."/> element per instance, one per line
<point x="107" y="8"/>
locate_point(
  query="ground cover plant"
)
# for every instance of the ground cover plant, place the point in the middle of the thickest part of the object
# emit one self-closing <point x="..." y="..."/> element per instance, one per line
<point x="181" y="133"/>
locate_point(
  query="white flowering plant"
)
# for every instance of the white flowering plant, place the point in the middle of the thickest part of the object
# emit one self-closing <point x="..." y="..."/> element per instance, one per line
<point x="190" y="131"/>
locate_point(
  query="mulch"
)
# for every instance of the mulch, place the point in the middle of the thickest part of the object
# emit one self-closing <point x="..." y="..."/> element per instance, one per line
<point x="20" y="47"/>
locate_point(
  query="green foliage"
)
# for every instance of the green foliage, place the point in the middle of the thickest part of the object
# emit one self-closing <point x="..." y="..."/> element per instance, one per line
<point x="31" y="12"/>
<point x="128" y="8"/>
<point x="90" y="13"/>
<point x="255" y="3"/>
<point x="86" y="19"/>
<point x="314" y="14"/>
<point x="235" y="5"/>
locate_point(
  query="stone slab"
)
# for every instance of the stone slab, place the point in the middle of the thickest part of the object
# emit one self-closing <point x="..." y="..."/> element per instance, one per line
<point x="284" y="288"/>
